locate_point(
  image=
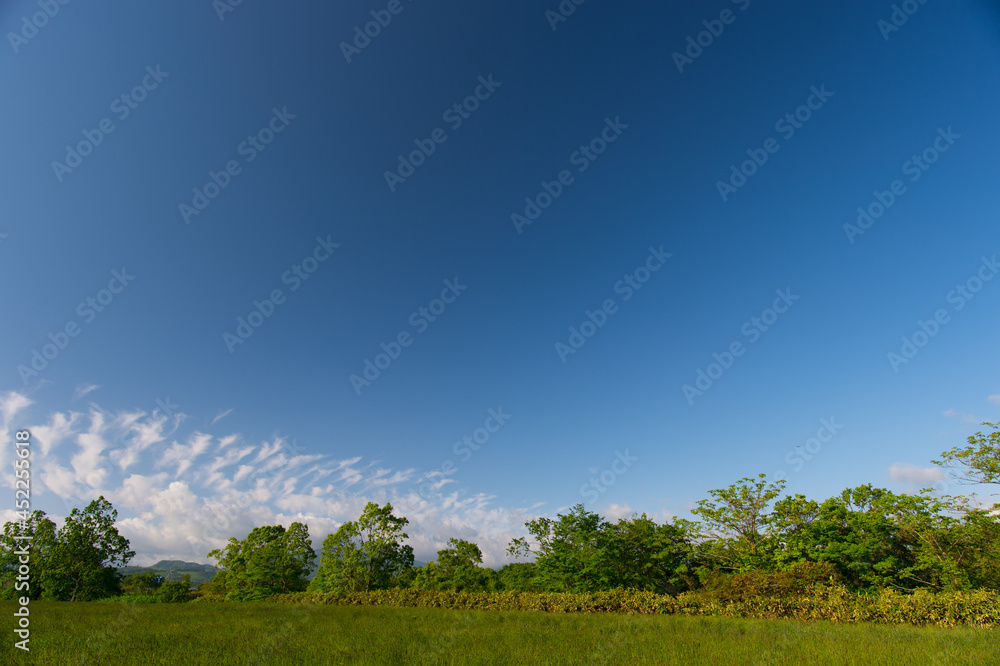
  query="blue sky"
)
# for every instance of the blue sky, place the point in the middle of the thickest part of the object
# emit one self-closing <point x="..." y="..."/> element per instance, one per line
<point x="150" y="405"/>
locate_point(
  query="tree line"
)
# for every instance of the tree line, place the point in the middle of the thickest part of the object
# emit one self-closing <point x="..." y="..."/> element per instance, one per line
<point x="864" y="538"/>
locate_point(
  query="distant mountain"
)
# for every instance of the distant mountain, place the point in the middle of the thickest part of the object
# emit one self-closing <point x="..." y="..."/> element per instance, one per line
<point x="175" y="570"/>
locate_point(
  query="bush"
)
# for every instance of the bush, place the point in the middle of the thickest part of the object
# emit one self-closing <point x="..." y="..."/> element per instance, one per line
<point x="821" y="602"/>
<point x="795" y="580"/>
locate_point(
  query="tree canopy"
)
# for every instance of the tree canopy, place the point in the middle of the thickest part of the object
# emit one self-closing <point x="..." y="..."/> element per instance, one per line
<point x="366" y="554"/>
<point x="270" y="560"/>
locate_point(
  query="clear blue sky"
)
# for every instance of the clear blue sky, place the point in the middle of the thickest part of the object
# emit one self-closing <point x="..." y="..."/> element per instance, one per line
<point x="390" y="244"/>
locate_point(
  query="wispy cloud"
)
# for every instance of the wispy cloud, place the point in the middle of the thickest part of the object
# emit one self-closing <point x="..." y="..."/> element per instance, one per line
<point x="995" y="398"/>
<point x="180" y="497"/>
<point x="84" y="390"/>
<point x="221" y="415"/>
<point x="12" y="403"/>
<point x="962" y="417"/>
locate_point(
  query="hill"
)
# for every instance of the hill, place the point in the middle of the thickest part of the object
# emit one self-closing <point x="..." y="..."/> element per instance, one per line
<point x="175" y="570"/>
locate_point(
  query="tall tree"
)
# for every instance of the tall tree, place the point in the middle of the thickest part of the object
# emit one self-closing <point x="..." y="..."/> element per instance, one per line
<point x="270" y="560"/>
<point x="458" y="568"/>
<point x="367" y="554"/>
<point x="738" y="528"/>
<point x="86" y="555"/>
<point x="569" y="554"/>
<point x="643" y="555"/>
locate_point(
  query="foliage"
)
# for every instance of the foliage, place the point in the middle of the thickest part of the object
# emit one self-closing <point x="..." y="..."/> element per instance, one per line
<point x="821" y="602"/>
<point x="517" y="577"/>
<point x="979" y="461"/>
<point x="270" y="560"/>
<point x="176" y="591"/>
<point x="82" y="561"/>
<point x="143" y="583"/>
<point x="40" y="544"/>
<point x="737" y="528"/>
<point x="366" y="554"/>
<point x="457" y="568"/>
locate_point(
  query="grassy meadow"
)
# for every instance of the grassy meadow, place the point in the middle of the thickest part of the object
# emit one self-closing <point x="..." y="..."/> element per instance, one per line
<point x="264" y="633"/>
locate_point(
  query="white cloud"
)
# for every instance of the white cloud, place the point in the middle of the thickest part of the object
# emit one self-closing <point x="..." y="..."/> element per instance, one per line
<point x="144" y="434"/>
<point x="995" y="399"/>
<point x="11" y="404"/>
<point x="84" y="390"/>
<point x="915" y="477"/>
<point x="229" y="487"/>
<point x="88" y="461"/>
<point x="61" y="426"/>
<point x="616" y="512"/>
<point x="183" y="455"/>
<point x="221" y="415"/>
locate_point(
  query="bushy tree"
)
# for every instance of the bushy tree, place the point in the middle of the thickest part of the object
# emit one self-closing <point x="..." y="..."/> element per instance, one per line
<point x="40" y="542"/>
<point x="517" y="576"/>
<point x="270" y="560"/>
<point x="737" y="527"/>
<point x="146" y="583"/>
<point x="367" y="554"/>
<point x="457" y="568"/>
<point x="641" y="554"/>
<point x="175" y="591"/>
<point x="83" y="562"/>
<point x="568" y="555"/>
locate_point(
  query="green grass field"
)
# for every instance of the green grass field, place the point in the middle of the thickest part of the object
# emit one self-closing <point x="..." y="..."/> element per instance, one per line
<point x="230" y="633"/>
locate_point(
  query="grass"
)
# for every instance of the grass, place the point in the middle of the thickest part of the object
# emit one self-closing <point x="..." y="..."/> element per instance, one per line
<point x="257" y="633"/>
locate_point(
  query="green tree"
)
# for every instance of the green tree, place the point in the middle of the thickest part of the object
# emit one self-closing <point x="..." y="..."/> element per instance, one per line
<point x="859" y="532"/>
<point x="87" y="552"/>
<point x="569" y="556"/>
<point x="147" y="583"/>
<point x="175" y="591"/>
<point x="458" y="568"/>
<point x="270" y="560"/>
<point x="367" y="554"/>
<point x="40" y="542"/>
<point x="978" y="461"/>
<point x="738" y="531"/>
<point x="518" y="576"/>
<point x="644" y="555"/>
